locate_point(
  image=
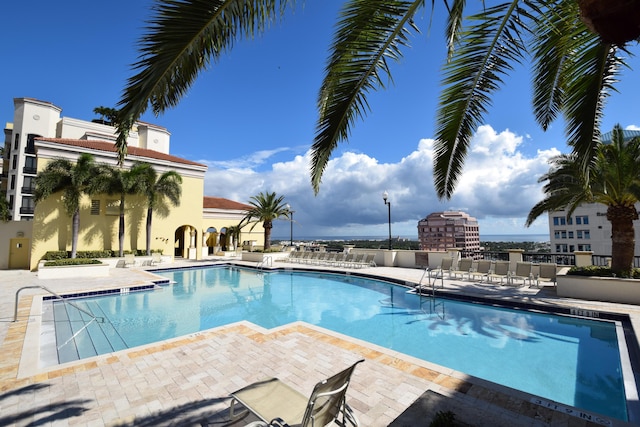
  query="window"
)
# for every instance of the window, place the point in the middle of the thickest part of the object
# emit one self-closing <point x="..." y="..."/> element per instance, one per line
<point x="28" y="184"/>
<point x="31" y="148"/>
<point x="559" y="220"/>
<point x="579" y="234"/>
<point x="571" y="234"/>
<point x="95" y="207"/>
<point x="14" y="163"/>
<point x="30" y="165"/>
<point x="27" y="205"/>
<point x="16" y="142"/>
<point x="587" y="234"/>
<point x="582" y="220"/>
<point x="563" y="234"/>
<point x="13" y="182"/>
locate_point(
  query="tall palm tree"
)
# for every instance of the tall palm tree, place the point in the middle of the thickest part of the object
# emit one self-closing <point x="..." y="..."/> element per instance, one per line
<point x="168" y="185"/>
<point x="122" y="182"/>
<point x="613" y="179"/>
<point x="73" y="180"/>
<point x="574" y="68"/>
<point x="266" y="207"/>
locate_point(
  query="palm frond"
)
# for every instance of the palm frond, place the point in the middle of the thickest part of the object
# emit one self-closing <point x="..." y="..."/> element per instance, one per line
<point x="556" y="34"/>
<point x="591" y="77"/>
<point x="369" y="33"/>
<point x="488" y="49"/>
<point x="180" y="41"/>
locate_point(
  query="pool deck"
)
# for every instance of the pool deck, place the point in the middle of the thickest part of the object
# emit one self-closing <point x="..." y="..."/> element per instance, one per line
<point x="186" y="381"/>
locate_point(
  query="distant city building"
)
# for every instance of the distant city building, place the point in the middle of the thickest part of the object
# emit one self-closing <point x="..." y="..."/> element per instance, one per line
<point x="588" y="228"/>
<point x="440" y="231"/>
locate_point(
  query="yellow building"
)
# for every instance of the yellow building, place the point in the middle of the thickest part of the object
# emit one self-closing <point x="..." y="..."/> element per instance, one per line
<point x="197" y="228"/>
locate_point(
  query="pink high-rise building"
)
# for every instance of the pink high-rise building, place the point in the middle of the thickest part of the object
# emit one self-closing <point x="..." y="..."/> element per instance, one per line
<point x="440" y="231"/>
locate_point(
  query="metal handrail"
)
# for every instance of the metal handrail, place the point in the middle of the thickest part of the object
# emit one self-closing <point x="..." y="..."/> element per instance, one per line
<point x="15" y="313"/>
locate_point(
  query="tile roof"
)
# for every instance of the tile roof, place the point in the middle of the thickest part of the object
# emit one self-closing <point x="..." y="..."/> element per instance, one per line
<point x="108" y="146"/>
<point x="220" y="203"/>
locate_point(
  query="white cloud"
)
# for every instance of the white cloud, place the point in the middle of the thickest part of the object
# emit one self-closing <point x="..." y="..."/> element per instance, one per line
<point x="498" y="186"/>
<point x="632" y="127"/>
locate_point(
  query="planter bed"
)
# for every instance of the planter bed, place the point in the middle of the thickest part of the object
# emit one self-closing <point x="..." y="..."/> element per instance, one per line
<point x="67" y="271"/>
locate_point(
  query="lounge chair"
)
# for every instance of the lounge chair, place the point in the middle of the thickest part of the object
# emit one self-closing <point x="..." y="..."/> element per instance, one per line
<point x="156" y="258"/>
<point x="129" y="259"/>
<point x="500" y="271"/>
<point x="368" y="261"/>
<point x="464" y="269"/>
<point x="547" y="273"/>
<point x="482" y="269"/>
<point x="523" y="272"/>
<point x="348" y="260"/>
<point x="445" y="265"/>
<point x="277" y="404"/>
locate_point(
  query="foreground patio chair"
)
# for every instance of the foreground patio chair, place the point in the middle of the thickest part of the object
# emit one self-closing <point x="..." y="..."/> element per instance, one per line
<point x="277" y="404"/>
<point x="445" y="265"/>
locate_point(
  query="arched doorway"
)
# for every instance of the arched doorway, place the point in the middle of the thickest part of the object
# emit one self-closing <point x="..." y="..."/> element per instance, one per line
<point x="185" y="242"/>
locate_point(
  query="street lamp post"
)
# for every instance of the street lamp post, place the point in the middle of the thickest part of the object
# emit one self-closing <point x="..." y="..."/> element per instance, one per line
<point x="385" y="196"/>
<point x="291" y="223"/>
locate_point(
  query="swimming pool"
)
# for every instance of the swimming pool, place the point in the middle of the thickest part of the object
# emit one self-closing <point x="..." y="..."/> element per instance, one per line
<point x="570" y="360"/>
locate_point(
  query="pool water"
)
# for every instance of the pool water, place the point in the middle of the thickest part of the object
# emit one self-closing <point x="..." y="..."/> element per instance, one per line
<point x="569" y="360"/>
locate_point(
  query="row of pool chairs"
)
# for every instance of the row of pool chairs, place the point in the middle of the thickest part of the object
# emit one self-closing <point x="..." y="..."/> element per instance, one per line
<point x="334" y="259"/>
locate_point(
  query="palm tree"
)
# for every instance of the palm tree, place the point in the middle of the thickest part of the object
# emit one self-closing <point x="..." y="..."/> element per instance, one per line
<point x="122" y="182"/>
<point x="613" y="179"/>
<point x="265" y="209"/>
<point x="155" y="188"/>
<point x="73" y="180"/>
<point x="574" y="68"/>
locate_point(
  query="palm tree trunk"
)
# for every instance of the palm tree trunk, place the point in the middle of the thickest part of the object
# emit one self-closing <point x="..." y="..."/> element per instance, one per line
<point x="622" y="238"/>
<point x="75" y="229"/>
<point x="121" y="228"/>
<point x="149" y="219"/>
<point x="268" y="225"/>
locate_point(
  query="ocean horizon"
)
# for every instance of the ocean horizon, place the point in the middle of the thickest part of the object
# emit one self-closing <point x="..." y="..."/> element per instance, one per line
<point x="541" y="238"/>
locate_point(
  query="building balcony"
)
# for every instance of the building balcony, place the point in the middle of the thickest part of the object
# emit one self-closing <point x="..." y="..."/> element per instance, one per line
<point x="27" y="190"/>
<point x="30" y="171"/>
<point x="26" y="211"/>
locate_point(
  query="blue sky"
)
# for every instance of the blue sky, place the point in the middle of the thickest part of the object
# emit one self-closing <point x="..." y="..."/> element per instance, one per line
<point x="251" y="117"/>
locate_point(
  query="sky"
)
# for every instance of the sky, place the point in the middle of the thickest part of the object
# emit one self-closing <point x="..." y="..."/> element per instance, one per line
<point x="251" y="117"/>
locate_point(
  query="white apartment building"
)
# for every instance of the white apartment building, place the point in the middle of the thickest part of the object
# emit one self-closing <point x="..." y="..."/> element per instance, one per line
<point x="588" y="228"/>
<point x="34" y="118"/>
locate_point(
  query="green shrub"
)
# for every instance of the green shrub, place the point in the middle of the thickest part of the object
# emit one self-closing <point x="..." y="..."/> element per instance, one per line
<point x="51" y="255"/>
<point x="596" y="271"/>
<point x="443" y="419"/>
<point x="95" y="254"/>
<point x="71" y="261"/>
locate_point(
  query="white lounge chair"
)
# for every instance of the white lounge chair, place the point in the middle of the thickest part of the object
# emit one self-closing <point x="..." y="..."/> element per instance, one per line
<point x="445" y="266"/>
<point x="156" y="258"/>
<point x="463" y="269"/>
<point x="547" y="273"/>
<point x="482" y="269"/>
<point x="500" y="271"/>
<point x="129" y="259"/>
<point x="523" y="272"/>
